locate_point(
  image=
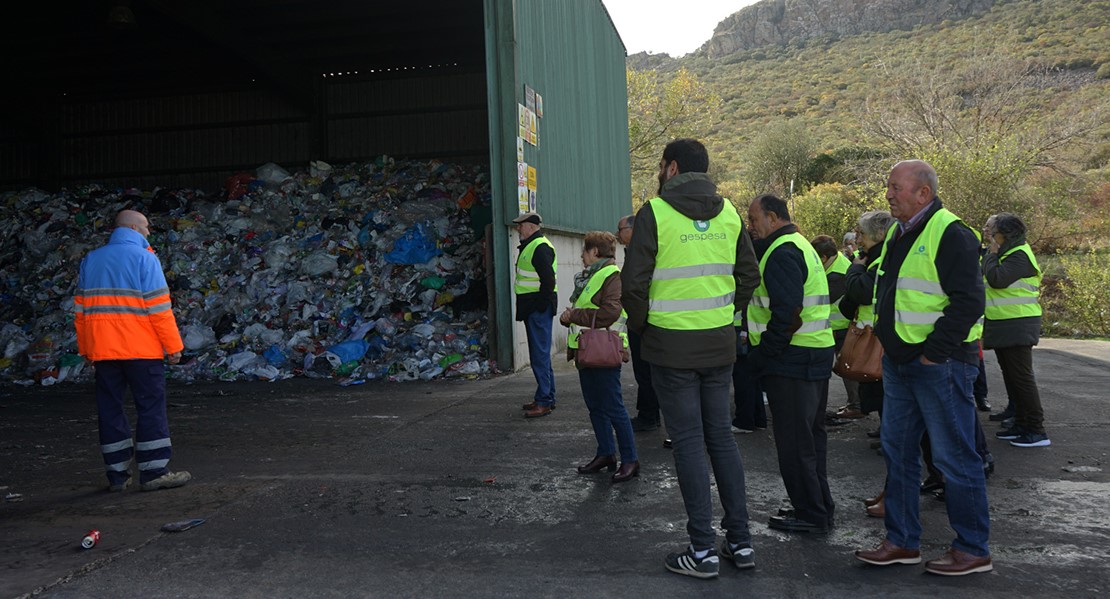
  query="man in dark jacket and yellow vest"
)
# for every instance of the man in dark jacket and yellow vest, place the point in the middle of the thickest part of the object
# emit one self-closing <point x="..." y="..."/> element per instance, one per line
<point x="536" y="297"/>
<point x="688" y="269"/>
<point x="928" y="302"/>
<point x="125" y="326"/>
<point x="792" y="353"/>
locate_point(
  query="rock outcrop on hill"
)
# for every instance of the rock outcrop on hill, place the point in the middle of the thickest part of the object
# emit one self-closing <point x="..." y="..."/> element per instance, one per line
<point x="779" y="22"/>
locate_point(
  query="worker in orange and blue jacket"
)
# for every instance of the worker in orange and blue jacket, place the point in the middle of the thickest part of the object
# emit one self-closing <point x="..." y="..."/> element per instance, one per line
<point x="125" y="326"/>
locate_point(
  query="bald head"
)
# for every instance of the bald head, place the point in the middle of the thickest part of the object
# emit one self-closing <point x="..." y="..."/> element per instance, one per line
<point x="911" y="187"/>
<point x="134" y="220"/>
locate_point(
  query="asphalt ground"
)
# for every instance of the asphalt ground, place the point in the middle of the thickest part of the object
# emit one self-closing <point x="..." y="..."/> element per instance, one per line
<point x="442" y="489"/>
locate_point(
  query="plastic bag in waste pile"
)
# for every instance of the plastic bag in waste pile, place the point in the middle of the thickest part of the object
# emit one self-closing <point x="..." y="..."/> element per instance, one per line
<point x="361" y="271"/>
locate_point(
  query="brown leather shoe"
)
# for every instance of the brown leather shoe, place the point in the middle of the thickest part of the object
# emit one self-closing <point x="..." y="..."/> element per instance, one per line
<point x="878" y="510"/>
<point x="958" y="563"/>
<point x="849" y="413"/>
<point x="538" y="411"/>
<point x="598" y="463"/>
<point x="870" y="501"/>
<point x="626" y="472"/>
<point x="532" y="406"/>
<point x="888" y="553"/>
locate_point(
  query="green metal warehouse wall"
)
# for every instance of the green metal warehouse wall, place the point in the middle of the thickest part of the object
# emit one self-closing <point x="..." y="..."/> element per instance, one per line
<point x="570" y="53"/>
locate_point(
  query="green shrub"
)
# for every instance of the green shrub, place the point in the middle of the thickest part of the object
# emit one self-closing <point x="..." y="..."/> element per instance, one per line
<point x="831" y="209"/>
<point x="1085" y="301"/>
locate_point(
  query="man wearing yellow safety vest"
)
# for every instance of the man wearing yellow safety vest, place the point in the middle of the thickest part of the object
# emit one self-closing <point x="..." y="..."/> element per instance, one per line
<point x="1013" y="325"/>
<point x="536" y="297"/>
<point x="928" y="301"/>
<point x="836" y="267"/>
<point x="688" y="269"/>
<point x="792" y="353"/>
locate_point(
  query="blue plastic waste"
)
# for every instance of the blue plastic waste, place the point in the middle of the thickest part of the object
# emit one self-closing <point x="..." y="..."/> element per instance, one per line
<point x="350" y="350"/>
<point x="414" y="247"/>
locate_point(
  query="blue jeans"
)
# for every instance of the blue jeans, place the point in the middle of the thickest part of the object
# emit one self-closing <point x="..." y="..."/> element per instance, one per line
<point x="601" y="389"/>
<point x="538" y="327"/>
<point x="937" y="398"/>
<point x="696" y="413"/>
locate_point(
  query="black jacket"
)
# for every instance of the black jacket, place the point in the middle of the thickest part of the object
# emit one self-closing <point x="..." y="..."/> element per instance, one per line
<point x="961" y="280"/>
<point x="693" y="195"/>
<point x="859" y="283"/>
<point x="784" y="275"/>
<point x="1012" y="332"/>
<point x="543" y="260"/>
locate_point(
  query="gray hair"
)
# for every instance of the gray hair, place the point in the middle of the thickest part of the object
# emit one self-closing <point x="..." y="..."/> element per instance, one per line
<point x="875" y="224"/>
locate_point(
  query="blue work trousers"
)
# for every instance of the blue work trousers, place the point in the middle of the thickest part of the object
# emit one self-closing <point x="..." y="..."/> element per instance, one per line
<point x="151" y="446"/>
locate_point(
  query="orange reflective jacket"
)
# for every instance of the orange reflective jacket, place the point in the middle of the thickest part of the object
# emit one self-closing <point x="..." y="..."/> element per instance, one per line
<point x="122" y="303"/>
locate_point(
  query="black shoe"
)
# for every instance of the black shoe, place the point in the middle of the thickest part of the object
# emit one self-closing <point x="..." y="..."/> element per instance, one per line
<point x="1010" y="433"/>
<point x="939" y="494"/>
<point x="667" y="444"/>
<point x="983" y="404"/>
<point x="643" y="425"/>
<point x="792" y="524"/>
<point x="988" y="466"/>
<point x="741" y="555"/>
<point x="1003" y="415"/>
<point x="1009" y="423"/>
<point x="931" y="484"/>
<point x="686" y="563"/>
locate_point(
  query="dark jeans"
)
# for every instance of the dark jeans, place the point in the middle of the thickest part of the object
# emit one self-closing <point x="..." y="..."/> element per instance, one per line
<point x="151" y="446"/>
<point x="979" y="389"/>
<point x="798" y="420"/>
<point x="1021" y="387"/>
<point x="747" y="393"/>
<point x="538" y="327"/>
<point x="601" y="390"/>
<point x="647" y="404"/>
<point x="696" y="412"/>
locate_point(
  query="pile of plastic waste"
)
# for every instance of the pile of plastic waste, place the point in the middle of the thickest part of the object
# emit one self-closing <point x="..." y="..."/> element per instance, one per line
<point x="366" y="271"/>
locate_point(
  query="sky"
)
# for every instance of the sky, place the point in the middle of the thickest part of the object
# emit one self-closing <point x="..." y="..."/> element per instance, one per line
<point x="676" y="27"/>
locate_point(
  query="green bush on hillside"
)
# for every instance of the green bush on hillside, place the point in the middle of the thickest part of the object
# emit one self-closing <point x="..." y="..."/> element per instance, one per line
<point x="1085" y="303"/>
<point x="831" y="209"/>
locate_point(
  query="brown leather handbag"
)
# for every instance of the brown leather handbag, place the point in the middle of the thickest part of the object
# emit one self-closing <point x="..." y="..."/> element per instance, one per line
<point x="861" y="358"/>
<point x="599" y="348"/>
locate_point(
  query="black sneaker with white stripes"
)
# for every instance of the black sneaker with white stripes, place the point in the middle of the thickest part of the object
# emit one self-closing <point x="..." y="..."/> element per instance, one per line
<point x="688" y="564"/>
<point x="741" y="555"/>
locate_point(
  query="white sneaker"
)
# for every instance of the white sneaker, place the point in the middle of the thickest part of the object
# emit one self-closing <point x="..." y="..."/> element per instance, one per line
<point x="168" y="480"/>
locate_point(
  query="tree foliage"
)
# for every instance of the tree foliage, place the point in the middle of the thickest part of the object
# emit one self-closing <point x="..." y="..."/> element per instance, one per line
<point x="832" y="209"/>
<point x="778" y="156"/>
<point x="979" y="127"/>
<point x="662" y="108"/>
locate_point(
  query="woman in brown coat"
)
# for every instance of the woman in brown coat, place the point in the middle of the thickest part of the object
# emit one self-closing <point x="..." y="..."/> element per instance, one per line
<point x="596" y="303"/>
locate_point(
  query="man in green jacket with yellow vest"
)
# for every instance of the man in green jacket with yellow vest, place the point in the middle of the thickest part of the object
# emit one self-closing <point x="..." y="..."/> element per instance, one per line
<point x="688" y="269"/>
<point x="536" y="297"/>
<point x="928" y="302"/>
<point x="792" y="353"/>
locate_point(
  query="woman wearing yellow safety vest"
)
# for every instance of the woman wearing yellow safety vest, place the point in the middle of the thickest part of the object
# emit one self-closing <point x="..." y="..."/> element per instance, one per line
<point x="859" y="291"/>
<point x="596" y="302"/>
<point x="1013" y="325"/>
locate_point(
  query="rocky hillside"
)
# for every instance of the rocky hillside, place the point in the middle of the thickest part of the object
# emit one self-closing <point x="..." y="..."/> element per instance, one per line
<point x="778" y="22"/>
